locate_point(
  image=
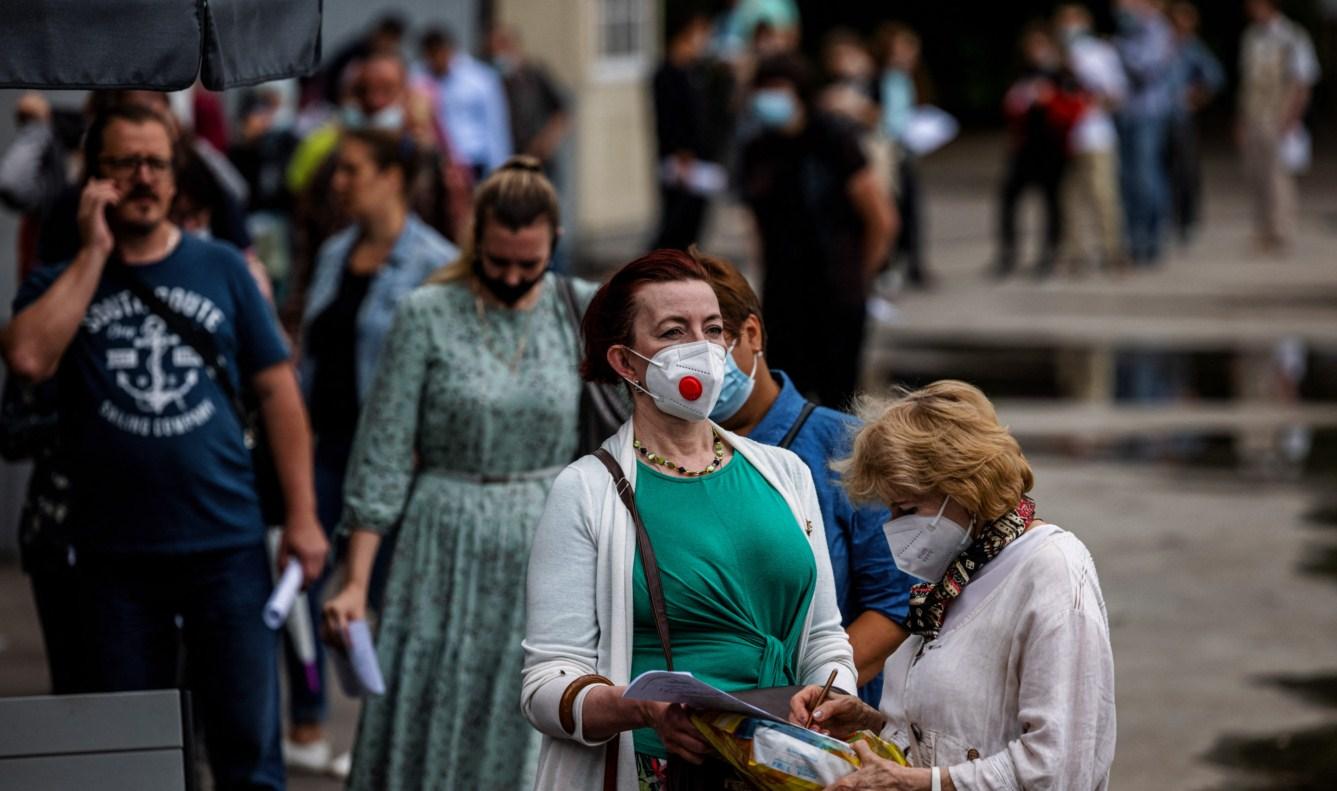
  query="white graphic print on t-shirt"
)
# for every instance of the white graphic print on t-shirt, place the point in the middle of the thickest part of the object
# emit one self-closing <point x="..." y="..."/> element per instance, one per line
<point x="152" y="364"/>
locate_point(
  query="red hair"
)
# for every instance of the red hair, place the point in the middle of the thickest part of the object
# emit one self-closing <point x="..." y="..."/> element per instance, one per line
<point x="611" y="314"/>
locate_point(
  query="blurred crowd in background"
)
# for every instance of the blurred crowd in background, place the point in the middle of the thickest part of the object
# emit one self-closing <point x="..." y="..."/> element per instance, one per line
<point x="821" y="142"/>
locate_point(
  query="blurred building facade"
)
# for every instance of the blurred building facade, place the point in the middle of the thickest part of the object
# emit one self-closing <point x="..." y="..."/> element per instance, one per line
<point x="604" y="52"/>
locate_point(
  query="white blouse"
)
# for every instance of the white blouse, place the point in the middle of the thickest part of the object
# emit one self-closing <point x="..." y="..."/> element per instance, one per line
<point x="1019" y="692"/>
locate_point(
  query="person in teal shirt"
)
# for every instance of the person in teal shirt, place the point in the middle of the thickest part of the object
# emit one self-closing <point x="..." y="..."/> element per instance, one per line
<point x="736" y="533"/>
<point x="873" y="594"/>
<point x="733" y="631"/>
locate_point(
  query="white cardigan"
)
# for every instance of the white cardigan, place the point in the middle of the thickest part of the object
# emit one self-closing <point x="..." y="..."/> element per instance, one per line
<point x="579" y="606"/>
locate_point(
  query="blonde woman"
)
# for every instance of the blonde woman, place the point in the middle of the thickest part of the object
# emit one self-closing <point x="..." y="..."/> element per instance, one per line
<point x="1007" y="679"/>
<point x="472" y="414"/>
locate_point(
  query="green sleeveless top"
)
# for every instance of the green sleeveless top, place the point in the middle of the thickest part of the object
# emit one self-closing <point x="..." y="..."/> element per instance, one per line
<point x="738" y="578"/>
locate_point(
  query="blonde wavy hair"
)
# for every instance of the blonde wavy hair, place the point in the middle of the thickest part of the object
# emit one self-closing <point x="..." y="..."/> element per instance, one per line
<point x="944" y="438"/>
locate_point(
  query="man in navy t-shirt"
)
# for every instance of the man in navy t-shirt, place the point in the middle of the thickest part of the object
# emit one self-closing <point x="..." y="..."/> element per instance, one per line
<point x="165" y="517"/>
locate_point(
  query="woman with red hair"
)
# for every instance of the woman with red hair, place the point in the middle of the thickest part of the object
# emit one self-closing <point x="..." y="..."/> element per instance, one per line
<point x="730" y="542"/>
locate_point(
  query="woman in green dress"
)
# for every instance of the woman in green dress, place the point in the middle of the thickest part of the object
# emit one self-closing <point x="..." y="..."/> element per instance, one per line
<point x="473" y="413"/>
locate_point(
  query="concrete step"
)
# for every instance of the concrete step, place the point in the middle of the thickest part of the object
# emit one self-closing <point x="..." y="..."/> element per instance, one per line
<point x="1035" y="419"/>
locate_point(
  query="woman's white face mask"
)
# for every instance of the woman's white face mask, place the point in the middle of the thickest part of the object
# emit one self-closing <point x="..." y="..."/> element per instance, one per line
<point x="684" y="379"/>
<point x="924" y="546"/>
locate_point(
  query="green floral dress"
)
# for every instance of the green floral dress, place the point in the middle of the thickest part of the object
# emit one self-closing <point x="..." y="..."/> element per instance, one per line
<point x="469" y="395"/>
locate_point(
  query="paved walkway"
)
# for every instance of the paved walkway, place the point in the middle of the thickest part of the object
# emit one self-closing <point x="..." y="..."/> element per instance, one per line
<point x="1199" y="574"/>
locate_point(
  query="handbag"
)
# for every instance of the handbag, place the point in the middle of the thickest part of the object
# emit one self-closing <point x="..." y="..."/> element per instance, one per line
<point x="603" y="408"/>
<point x="682" y="776"/>
<point x="245" y="404"/>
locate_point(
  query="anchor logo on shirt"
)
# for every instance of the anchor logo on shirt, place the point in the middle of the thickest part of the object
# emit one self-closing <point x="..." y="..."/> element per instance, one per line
<point x="154" y="390"/>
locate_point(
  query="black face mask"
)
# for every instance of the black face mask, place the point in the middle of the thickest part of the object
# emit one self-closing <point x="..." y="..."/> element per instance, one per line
<point x="505" y="293"/>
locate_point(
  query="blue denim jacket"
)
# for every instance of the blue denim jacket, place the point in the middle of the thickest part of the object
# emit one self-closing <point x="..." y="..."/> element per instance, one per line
<point x="418" y="252"/>
<point x="866" y="576"/>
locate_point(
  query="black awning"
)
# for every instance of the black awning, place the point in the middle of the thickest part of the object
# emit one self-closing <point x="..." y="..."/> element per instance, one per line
<point x="156" y="44"/>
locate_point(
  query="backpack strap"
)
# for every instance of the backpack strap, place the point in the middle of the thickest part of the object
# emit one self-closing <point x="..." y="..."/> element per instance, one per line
<point x="803" y="415"/>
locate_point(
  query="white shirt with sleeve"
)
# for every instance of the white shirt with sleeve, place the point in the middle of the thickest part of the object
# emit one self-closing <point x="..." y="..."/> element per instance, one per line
<point x="1019" y="692"/>
<point x="474" y="112"/>
<point x="579" y="602"/>
<point x="1097" y="67"/>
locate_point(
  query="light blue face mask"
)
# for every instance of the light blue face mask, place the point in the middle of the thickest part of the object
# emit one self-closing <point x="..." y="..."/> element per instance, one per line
<point x="774" y="107"/>
<point x="737" y="388"/>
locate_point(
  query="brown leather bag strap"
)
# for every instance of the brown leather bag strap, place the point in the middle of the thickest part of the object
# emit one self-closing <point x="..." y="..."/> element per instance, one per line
<point x="652" y="582"/>
<point x="610" y="763"/>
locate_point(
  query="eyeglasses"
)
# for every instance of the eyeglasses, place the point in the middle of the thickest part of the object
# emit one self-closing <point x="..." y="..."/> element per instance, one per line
<point x="125" y="167"/>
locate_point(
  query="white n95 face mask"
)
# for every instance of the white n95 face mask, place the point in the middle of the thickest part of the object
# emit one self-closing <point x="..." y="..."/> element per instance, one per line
<point x="684" y="379"/>
<point x="924" y="546"/>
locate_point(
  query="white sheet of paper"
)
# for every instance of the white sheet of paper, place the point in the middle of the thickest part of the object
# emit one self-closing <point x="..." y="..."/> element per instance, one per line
<point x="357" y="666"/>
<point x="1297" y="152"/>
<point x="285" y="593"/>
<point x="701" y="177"/>
<point x="929" y="129"/>
<point x="667" y="686"/>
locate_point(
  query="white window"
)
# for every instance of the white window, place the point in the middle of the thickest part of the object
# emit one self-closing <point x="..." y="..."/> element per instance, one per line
<point x="622" y="38"/>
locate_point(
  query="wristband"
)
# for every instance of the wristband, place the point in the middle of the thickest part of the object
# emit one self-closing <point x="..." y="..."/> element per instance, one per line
<point x="566" y="709"/>
<point x="936" y="783"/>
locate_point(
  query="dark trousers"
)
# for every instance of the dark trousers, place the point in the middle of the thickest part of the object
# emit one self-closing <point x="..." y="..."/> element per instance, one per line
<point x="681" y="214"/>
<point x="143" y="609"/>
<point x="1185" y="175"/>
<point x="1042" y="170"/>
<point x="819" y="344"/>
<point x="59" y="610"/>
<point x="910" y="243"/>
<point x="307" y="706"/>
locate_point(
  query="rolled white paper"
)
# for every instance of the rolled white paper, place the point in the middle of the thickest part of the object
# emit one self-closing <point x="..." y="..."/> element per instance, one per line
<point x="285" y="593"/>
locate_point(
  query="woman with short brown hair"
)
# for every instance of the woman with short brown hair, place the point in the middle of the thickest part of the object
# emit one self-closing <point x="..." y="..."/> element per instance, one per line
<point x="737" y="538"/>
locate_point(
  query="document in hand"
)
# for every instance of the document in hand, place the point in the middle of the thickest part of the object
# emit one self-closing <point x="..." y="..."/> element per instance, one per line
<point x="667" y="686"/>
<point x="359" y="672"/>
<point x="286" y="592"/>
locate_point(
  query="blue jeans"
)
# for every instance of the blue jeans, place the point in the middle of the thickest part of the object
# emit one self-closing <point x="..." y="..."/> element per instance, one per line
<point x="307" y="706"/>
<point x="1145" y="183"/>
<point x="143" y="609"/>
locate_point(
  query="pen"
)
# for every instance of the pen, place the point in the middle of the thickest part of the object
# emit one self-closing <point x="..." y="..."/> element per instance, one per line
<point x="826" y="690"/>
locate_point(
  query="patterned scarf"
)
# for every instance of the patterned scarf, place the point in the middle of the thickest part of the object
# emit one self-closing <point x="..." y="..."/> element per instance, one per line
<point x="929" y="601"/>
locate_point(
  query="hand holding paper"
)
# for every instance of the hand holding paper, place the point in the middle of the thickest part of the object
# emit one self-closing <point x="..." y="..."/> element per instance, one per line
<point x="356" y="663"/>
<point x="285" y="593"/>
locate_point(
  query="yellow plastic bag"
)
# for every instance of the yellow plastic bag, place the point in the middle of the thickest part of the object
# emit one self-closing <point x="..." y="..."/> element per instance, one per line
<point x="776" y="756"/>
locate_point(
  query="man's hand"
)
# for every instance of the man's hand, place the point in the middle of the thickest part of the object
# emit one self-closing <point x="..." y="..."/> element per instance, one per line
<point x="97" y="196"/>
<point x="305" y="540"/>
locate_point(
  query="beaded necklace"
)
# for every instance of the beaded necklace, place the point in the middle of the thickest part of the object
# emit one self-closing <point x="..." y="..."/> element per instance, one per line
<point x="655" y="458"/>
